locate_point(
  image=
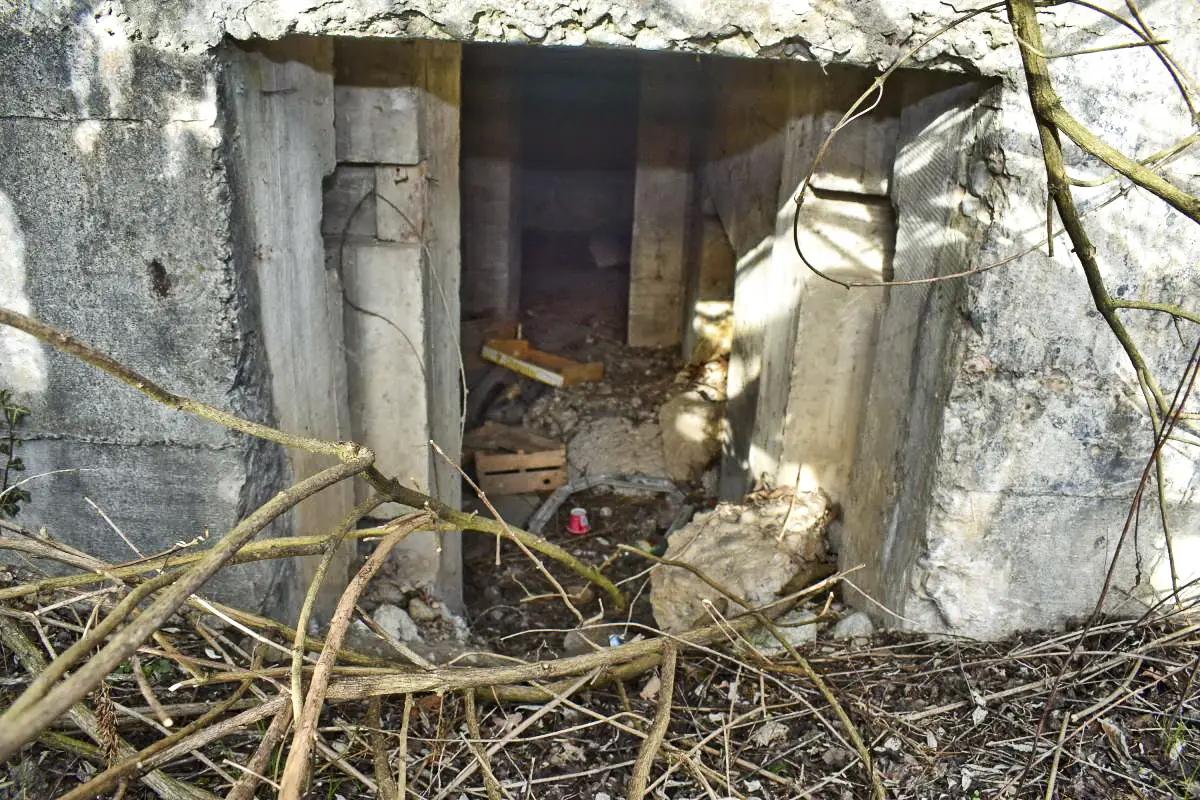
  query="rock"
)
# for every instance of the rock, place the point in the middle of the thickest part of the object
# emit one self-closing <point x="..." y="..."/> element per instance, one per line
<point x="396" y="623"/>
<point x="385" y="591"/>
<point x="745" y="549"/>
<point x="458" y="626"/>
<point x="853" y="626"/>
<point x="420" y="611"/>
<point x="691" y="434"/>
<point x="614" y="445"/>
<point x="713" y="325"/>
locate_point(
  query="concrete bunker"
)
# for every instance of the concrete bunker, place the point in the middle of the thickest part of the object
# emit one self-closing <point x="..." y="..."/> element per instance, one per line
<point x="401" y="197"/>
<point x="987" y="459"/>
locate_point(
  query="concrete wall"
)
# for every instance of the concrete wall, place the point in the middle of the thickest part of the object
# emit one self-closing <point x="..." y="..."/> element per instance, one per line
<point x="893" y="468"/>
<point x="115" y="225"/>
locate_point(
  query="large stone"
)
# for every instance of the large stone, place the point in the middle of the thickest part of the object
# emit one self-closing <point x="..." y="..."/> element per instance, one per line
<point x="691" y="434"/>
<point x="616" y="446"/>
<point x="752" y="551"/>
<point x="396" y="623"/>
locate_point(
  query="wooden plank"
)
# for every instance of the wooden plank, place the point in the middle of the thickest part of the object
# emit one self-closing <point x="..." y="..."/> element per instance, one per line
<point x="557" y="371"/>
<point x="520" y="473"/>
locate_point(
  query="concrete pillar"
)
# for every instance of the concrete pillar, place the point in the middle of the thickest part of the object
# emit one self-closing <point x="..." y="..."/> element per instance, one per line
<point x="751" y="104"/>
<point x="284" y="119"/>
<point x="441" y="69"/>
<point x="886" y="508"/>
<point x="396" y="199"/>
<point x="662" y="204"/>
<point x="491" y="177"/>
<point x="708" y="305"/>
<point x="819" y="353"/>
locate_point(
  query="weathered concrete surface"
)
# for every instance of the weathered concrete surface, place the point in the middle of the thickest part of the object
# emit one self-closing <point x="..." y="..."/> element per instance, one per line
<point x="820" y="337"/>
<point x="385" y="341"/>
<point x="401" y="277"/>
<point x="281" y="109"/>
<point x="742" y="174"/>
<point x="116" y="227"/>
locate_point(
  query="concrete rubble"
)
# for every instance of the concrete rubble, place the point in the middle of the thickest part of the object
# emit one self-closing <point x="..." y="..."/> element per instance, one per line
<point x="690" y="425"/>
<point x="855" y="625"/>
<point x="614" y="445"/>
<point x="752" y="550"/>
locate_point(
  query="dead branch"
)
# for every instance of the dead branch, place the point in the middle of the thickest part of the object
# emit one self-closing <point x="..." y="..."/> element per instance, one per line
<point x="379" y="756"/>
<point x="165" y="787"/>
<point x="295" y="772"/>
<point x="314" y="587"/>
<point x="244" y="788"/>
<point x="40" y="704"/>
<point x="658" y="731"/>
<point x="348" y="452"/>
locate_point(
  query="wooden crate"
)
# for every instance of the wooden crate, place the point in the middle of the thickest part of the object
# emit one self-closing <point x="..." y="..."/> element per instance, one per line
<point x="519" y="356"/>
<point x="521" y="473"/>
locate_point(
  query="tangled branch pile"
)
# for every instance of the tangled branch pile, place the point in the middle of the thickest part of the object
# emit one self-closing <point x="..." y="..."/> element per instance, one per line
<point x="128" y="680"/>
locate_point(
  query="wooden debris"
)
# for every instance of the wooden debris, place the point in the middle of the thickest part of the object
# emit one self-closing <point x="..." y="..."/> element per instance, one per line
<point x="519" y="356"/>
<point x="521" y="473"/>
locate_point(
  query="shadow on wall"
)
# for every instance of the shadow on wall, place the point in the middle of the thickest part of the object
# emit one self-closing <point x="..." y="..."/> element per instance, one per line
<point x="829" y="388"/>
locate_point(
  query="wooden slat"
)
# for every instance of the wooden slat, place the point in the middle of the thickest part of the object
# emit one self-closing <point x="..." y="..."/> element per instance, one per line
<point x="519" y="473"/>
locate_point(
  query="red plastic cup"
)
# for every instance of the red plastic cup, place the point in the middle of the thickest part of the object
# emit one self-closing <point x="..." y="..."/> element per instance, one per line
<point x="577" y="523"/>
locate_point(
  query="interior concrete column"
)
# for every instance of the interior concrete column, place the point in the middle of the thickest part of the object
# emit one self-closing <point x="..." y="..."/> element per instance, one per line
<point x="661" y="206"/>
<point x="742" y="176"/>
<point x="491" y="176"/>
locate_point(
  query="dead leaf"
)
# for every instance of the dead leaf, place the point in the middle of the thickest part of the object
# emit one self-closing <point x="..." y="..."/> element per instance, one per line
<point x="566" y="752"/>
<point x="769" y="733"/>
<point x="650" y="690"/>
<point x="1116" y="739"/>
